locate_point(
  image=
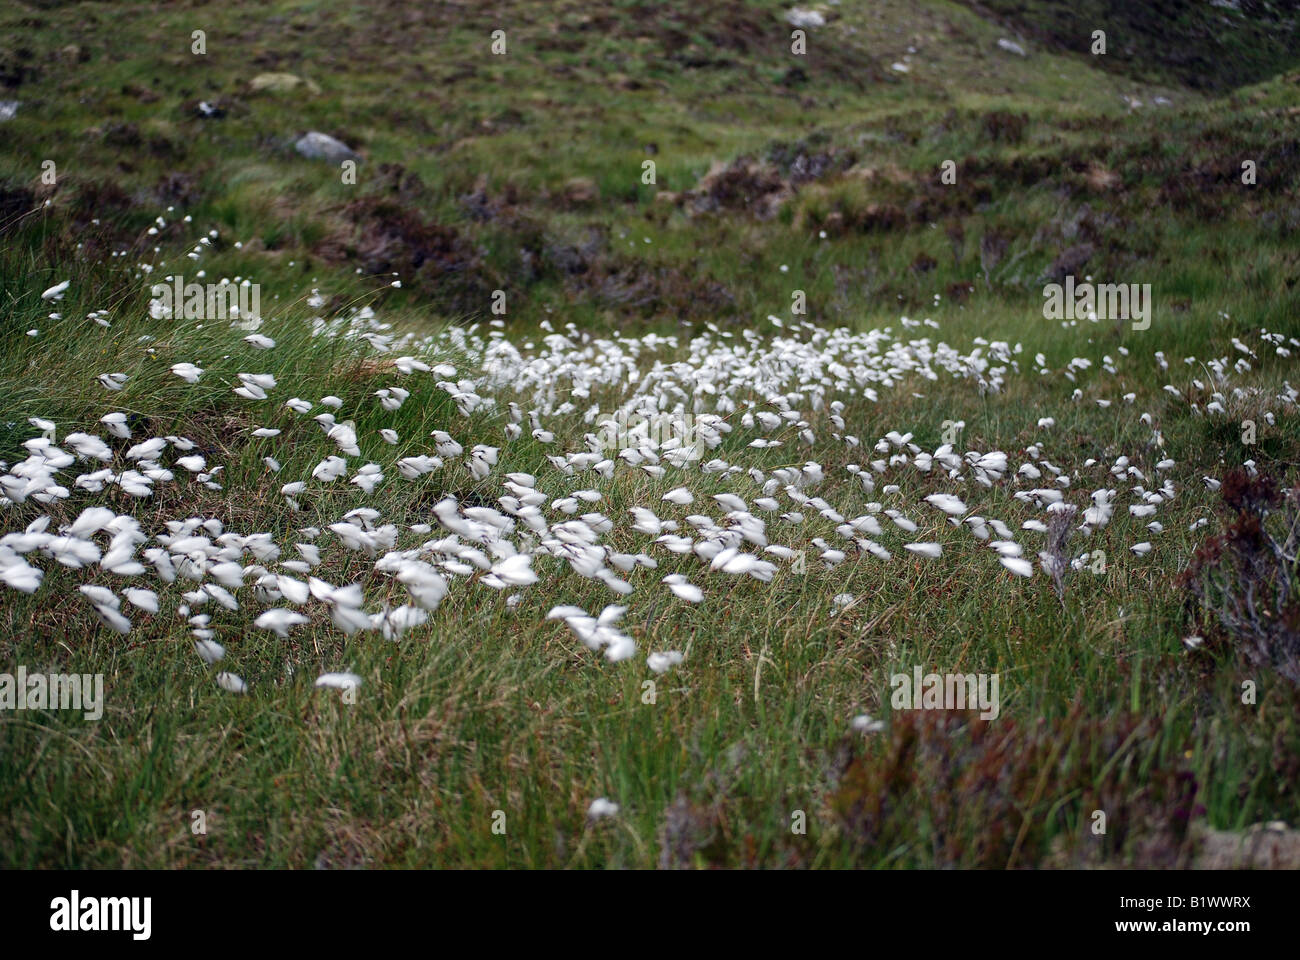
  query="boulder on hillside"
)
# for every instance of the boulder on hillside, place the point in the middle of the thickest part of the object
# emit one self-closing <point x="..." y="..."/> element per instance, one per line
<point x="315" y="145"/>
<point x="281" y="83"/>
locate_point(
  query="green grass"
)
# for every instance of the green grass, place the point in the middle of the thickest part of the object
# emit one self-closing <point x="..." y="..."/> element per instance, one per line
<point x="489" y="707"/>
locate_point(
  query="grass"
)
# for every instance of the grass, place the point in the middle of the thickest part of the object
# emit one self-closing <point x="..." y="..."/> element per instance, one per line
<point x="467" y="187"/>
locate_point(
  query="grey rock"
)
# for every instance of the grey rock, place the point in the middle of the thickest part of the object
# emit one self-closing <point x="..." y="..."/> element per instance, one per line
<point x="281" y="83"/>
<point x="321" y="146"/>
<point x="801" y="17"/>
<point x="8" y="110"/>
<point x="1010" y="46"/>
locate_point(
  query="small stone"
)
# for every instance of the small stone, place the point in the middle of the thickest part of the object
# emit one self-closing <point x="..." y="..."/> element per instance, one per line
<point x="802" y="17"/>
<point x="321" y="146"/>
<point x="281" y="83"/>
